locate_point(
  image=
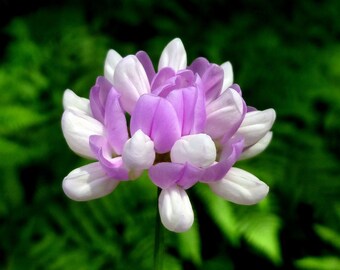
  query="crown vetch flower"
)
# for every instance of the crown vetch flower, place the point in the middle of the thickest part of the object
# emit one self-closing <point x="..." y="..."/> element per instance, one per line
<point x="188" y="124"/>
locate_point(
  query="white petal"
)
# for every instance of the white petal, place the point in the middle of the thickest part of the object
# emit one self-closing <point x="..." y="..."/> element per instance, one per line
<point x="173" y="55"/>
<point x="197" y="149"/>
<point x="111" y="61"/>
<point x="77" y="128"/>
<point x="175" y="209"/>
<point x="73" y="102"/>
<point x="255" y="125"/>
<point x="224" y="113"/>
<point x="228" y="75"/>
<point x="131" y="81"/>
<point x="241" y="187"/>
<point x="258" y="147"/>
<point x="139" y="153"/>
<point x="88" y="182"/>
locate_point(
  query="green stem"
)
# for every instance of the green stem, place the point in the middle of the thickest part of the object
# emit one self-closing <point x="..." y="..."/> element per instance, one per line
<point x="159" y="239"/>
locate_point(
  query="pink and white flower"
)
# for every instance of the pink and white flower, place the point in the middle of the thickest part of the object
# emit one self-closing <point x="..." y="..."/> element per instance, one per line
<point x="188" y="124"/>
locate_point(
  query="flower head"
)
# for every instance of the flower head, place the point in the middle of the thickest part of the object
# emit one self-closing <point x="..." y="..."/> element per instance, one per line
<point x="188" y="124"/>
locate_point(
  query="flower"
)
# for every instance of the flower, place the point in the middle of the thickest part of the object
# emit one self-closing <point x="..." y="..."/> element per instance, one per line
<point x="188" y="124"/>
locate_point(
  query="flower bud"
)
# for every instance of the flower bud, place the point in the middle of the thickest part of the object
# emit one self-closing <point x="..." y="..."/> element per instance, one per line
<point x="111" y="61"/>
<point x="77" y="128"/>
<point x="197" y="149"/>
<point x="241" y="187"/>
<point x="72" y="102"/>
<point x="258" y="147"/>
<point x="138" y="153"/>
<point x="175" y="209"/>
<point x="88" y="182"/>
<point x="255" y="125"/>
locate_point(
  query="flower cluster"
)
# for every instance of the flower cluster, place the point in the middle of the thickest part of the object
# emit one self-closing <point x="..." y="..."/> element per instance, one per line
<point x="184" y="124"/>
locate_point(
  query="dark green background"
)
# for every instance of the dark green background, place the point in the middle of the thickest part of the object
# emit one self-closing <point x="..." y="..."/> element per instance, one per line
<point x="285" y="54"/>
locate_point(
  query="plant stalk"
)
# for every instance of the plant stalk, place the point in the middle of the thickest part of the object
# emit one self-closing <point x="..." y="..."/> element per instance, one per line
<point x="159" y="239"/>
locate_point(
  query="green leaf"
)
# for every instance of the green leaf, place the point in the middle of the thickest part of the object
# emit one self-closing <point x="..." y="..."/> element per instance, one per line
<point x="328" y="235"/>
<point x="171" y="262"/>
<point x="11" y="190"/>
<point x="189" y="245"/>
<point x="16" y="118"/>
<point x="218" y="263"/>
<point x="319" y="263"/>
<point x="11" y="153"/>
<point x="221" y="212"/>
<point x="261" y="230"/>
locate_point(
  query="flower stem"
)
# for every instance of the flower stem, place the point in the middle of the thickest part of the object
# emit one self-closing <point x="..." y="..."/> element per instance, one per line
<point x="159" y="240"/>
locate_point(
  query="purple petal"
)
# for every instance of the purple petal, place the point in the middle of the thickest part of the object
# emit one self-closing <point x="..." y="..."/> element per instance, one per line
<point x="190" y="108"/>
<point x="251" y="109"/>
<point x="156" y="117"/>
<point x="112" y="165"/>
<point x="212" y="81"/>
<point x="190" y="176"/>
<point x="199" y="66"/>
<point x="145" y="60"/>
<point x="211" y="77"/>
<point x="115" y="122"/>
<point x="96" y="143"/>
<point x="161" y="80"/>
<point x="185" y="78"/>
<point x="98" y="96"/>
<point x="237" y="88"/>
<point x="169" y="81"/>
<point x="166" y="174"/>
<point x="230" y="154"/>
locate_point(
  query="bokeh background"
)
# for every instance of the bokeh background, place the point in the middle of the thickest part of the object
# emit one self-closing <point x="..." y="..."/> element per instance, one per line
<point x="285" y="55"/>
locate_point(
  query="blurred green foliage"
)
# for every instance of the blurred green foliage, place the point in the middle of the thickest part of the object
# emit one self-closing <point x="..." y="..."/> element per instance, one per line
<point x="285" y="54"/>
